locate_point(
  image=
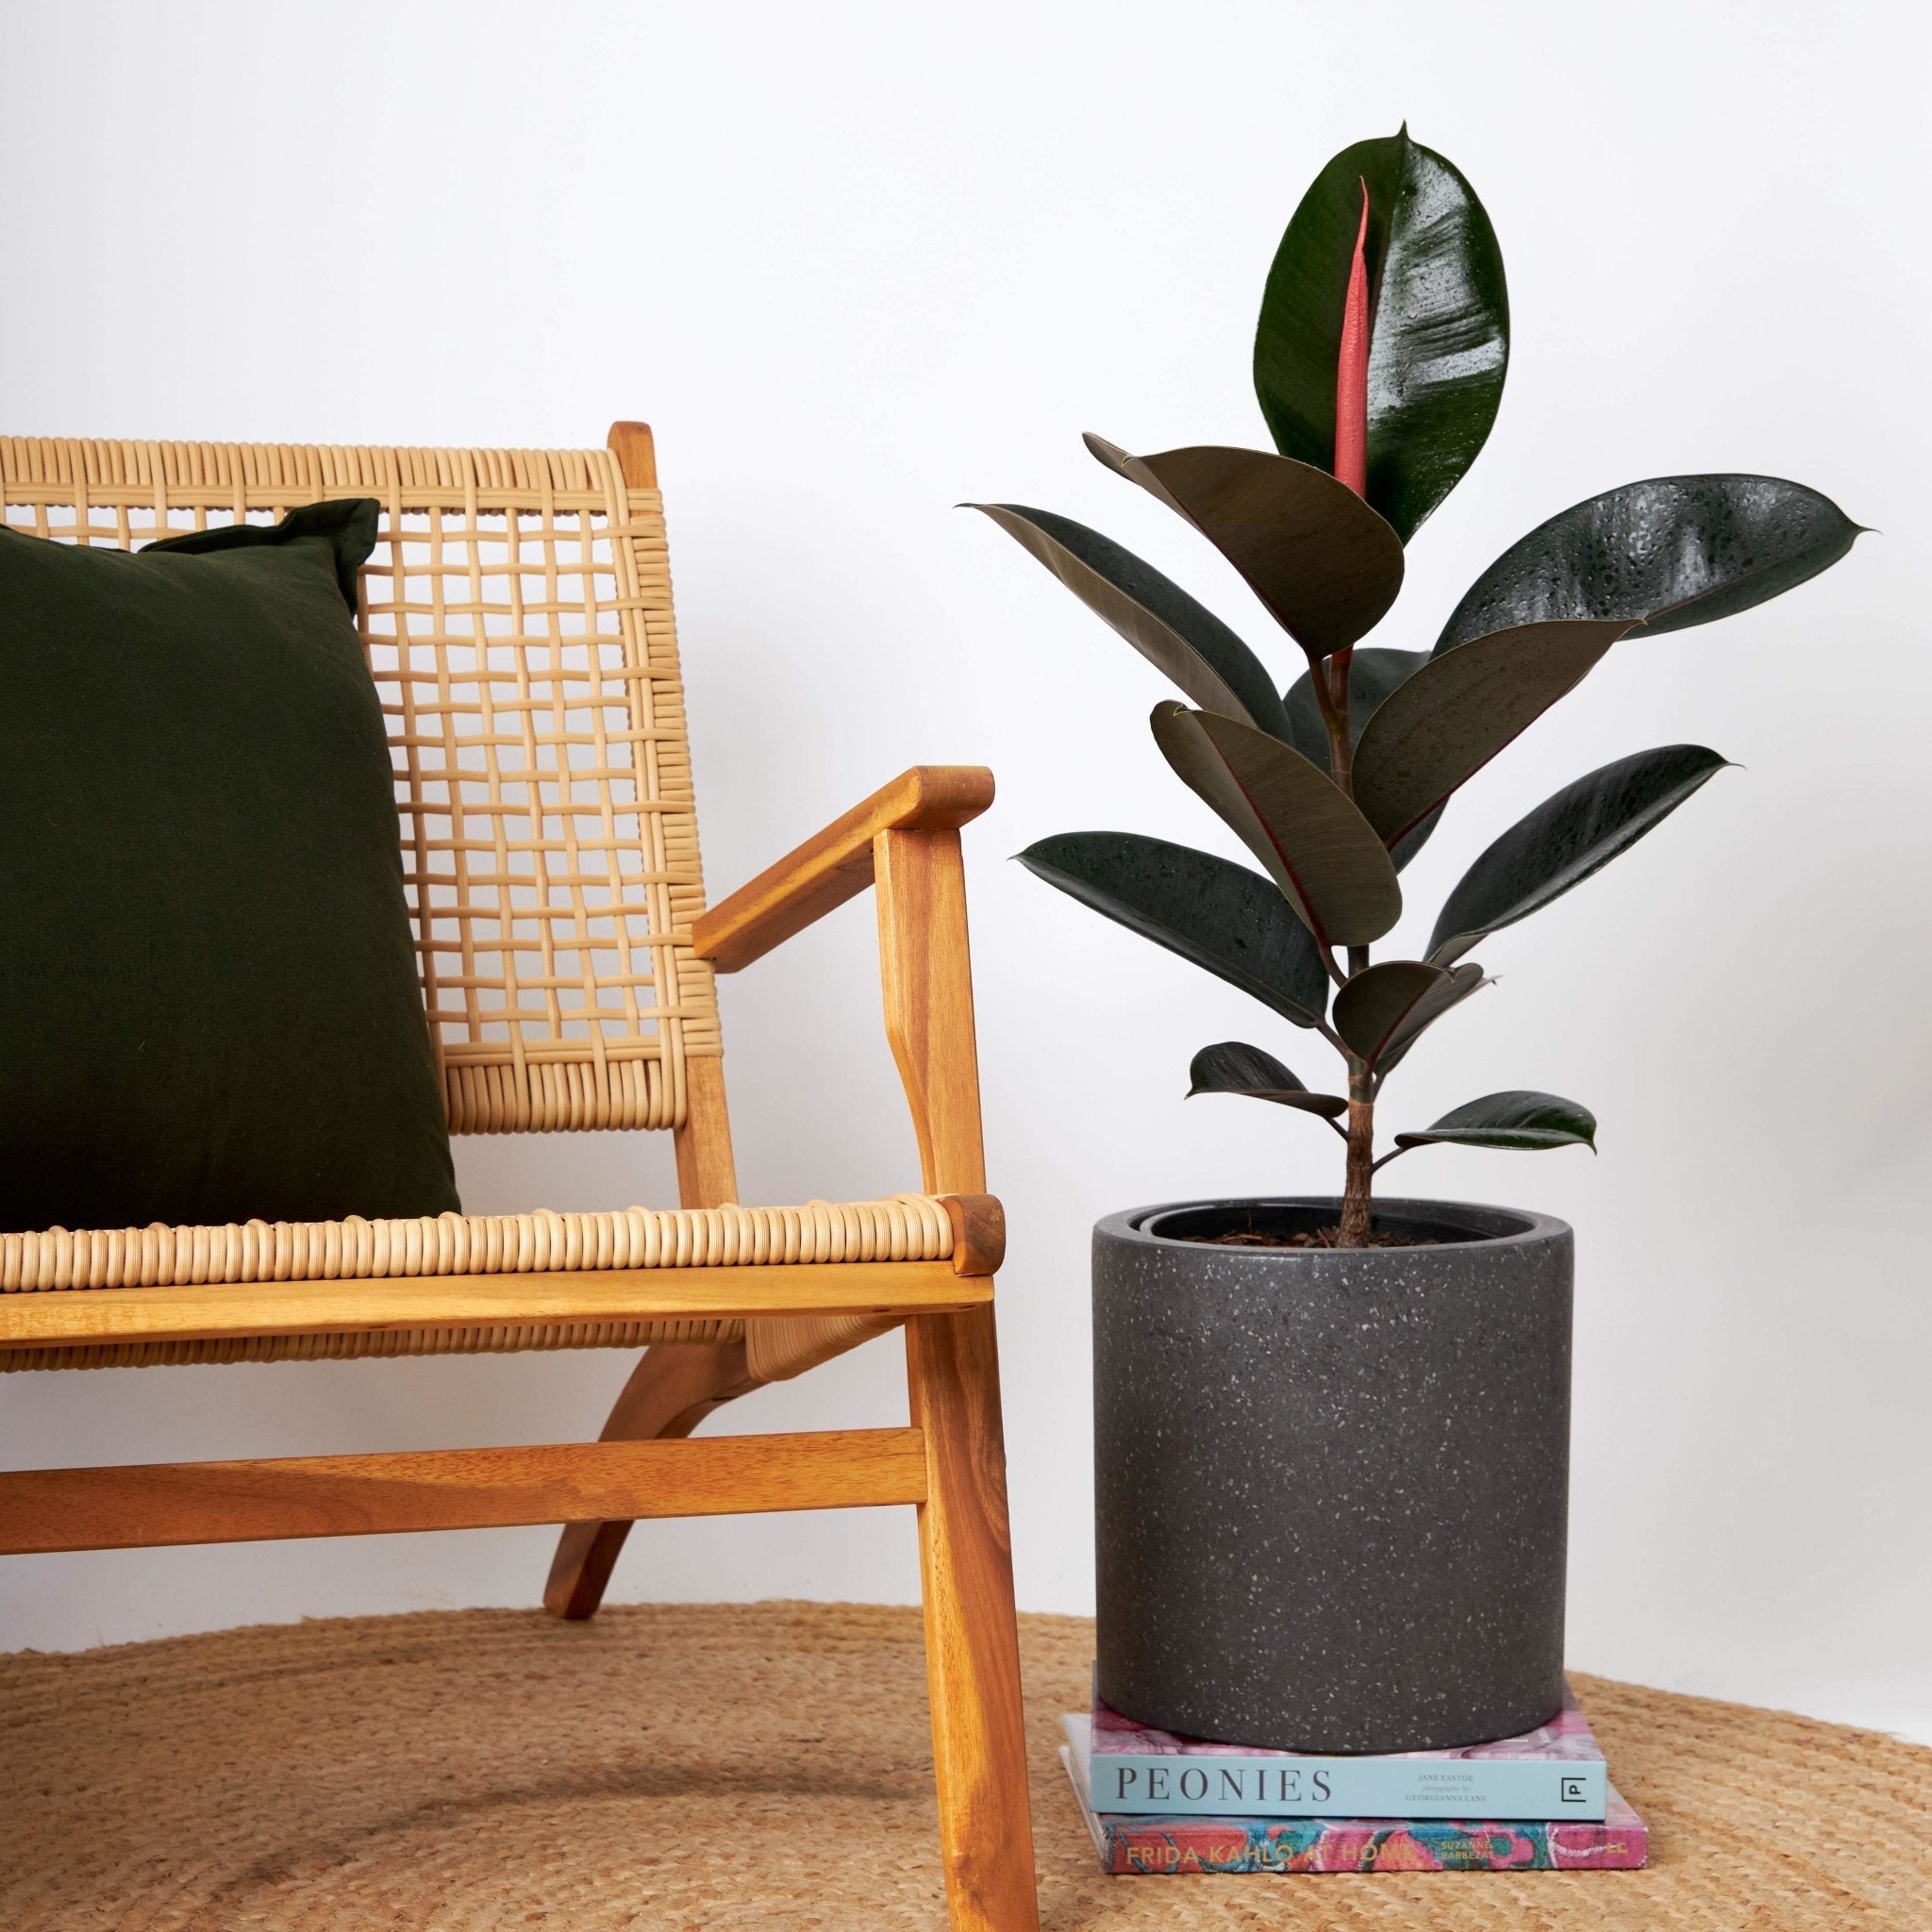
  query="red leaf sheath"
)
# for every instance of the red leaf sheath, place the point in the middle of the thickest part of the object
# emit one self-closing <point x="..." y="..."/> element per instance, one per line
<point x="1352" y="370"/>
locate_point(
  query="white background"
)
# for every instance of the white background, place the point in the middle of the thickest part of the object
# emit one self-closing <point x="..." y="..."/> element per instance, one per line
<point x="856" y="263"/>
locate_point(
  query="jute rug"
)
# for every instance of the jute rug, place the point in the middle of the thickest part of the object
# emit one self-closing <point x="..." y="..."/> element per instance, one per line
<point x="729" y="1767"/>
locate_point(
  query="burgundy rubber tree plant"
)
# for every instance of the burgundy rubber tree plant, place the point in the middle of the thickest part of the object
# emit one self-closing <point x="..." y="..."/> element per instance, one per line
<point x="1379" y="361"/>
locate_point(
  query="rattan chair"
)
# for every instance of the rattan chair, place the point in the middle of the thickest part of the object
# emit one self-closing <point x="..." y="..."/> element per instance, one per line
<point x="519" y="625"/>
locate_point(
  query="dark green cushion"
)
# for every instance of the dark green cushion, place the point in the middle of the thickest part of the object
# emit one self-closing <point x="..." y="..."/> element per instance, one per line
<point x="209" y="1007"/>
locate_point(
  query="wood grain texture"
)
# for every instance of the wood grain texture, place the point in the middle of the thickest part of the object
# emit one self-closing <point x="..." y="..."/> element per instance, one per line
<point x="635" y="450"/>
<point x="971" y="1646"/>
<point x="952" y="1364"/>
<point x="926" y="982"/>
<point x="979" y="1233"/>
<point x="48" y="1509"/>
<point x="835" y="864"/>
<point x="71" y="1317"/>
<point x="706" y="1173"/>
<point x="672" y="1390"/>
<point x="675" y="1385"/>
<point x="927" y="968"/>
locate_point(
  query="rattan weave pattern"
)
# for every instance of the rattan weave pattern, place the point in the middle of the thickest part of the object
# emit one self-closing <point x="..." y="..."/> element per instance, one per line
<point x="907" y="1227"/>
<point x="765" y="1768"/>
<point x="517" y="619"/>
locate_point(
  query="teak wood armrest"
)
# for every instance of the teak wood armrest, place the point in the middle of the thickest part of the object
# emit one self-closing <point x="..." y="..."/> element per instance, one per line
<point x="837" y="864"/>
<point x="904" y="841"/>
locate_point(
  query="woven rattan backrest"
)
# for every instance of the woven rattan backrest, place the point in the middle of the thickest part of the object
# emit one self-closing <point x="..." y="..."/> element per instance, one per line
<point x="517" y="616"/>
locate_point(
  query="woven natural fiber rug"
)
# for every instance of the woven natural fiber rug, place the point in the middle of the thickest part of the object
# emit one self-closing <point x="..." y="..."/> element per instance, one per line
<point x="727" y="1767"/>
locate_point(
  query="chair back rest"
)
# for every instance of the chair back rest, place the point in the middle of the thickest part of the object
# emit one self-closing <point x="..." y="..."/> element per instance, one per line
<point x="517" y="619"/>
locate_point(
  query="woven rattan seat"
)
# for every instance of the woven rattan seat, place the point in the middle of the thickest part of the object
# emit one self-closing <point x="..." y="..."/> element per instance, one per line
<point x="517" y="618"/>
<point x="910" y="1227"/>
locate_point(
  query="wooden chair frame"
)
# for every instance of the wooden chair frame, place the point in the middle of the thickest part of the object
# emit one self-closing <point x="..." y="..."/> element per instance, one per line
<point x="949" y="1462"/>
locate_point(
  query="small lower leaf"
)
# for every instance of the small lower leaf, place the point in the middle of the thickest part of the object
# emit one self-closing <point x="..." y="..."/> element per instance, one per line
<point x="1463" y="980"/>
<point x="1232" y="1066"/>
<point x="1372" y="1005"/>
<point x="1384" y="1008"/>
<point x="1519" y="1119"/>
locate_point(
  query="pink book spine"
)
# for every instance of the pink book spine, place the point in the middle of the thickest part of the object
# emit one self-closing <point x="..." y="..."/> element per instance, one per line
<point x="1140" y="1846"/>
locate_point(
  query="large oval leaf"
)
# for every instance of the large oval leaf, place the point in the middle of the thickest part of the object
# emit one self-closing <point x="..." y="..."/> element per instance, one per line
<point x="1318" y="848"/>
<point x="1166" y="625"/>
<point x="1448" y="721"/>
<point x="1440" y="344"/>
<point x="1232" y="1066"/>
<point x="1323" y="563"/>
<point x="1217" y="914"/>
<point x="1570" y="834"/>
<point x="1518" y="1119"/>
<point x="1373" y="674"/>
<point x="1663" y="555"/>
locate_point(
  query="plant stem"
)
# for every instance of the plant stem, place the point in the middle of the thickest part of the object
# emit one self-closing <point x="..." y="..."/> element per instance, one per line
<point x="1332" y="681"/>
<point x="1354" y="1232"/>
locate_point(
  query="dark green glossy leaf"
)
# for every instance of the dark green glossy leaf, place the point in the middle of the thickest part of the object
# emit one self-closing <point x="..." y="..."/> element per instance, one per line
<point x="1448" y="721"/>
<point x="1441" y="341"/>
<point x="1666" y="554"/>
<point x="1318" y="848"/>
<point x="1373" y="674"/>
<point x="1383" y="1009"/>
<point x="1463" y="980"/>
<point x="1166" y="625"/>
<point x="1217" y="914"/>
<point x="1518" y="1119"/>
<point x="1234" y="1067"/>
<point x="1323" y="563"/>
<point x="1569" y="835"/>
<point x="1376" y="1000"/>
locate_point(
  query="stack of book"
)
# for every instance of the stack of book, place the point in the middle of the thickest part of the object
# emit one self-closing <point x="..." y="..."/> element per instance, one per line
<point x="1156" y="1802"/>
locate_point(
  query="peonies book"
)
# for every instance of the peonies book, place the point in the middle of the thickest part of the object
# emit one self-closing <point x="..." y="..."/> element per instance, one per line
<point x="1144" y="1845"/>
<point x="1554" y="1772"/>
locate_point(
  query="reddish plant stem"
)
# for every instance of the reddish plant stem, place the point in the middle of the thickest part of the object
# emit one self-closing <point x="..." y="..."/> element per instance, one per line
<point x="1356" y="1203"/>
<point x="1334" y="677"/>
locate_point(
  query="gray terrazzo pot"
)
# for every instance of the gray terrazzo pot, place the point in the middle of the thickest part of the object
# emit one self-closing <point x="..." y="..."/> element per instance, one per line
<point x="1331" y="1485"/>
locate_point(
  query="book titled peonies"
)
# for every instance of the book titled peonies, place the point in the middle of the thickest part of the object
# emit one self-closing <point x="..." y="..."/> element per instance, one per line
<point x="1554" y="1772"/>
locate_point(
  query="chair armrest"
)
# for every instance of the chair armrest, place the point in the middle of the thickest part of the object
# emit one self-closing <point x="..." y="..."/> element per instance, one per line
<point x="837" y="864"/>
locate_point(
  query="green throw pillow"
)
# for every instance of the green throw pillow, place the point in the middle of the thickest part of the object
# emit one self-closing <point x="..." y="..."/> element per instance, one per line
<point x="209" y="1007"/>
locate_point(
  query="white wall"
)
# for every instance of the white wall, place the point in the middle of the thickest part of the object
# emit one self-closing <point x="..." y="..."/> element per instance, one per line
<point x="858" y="262"/>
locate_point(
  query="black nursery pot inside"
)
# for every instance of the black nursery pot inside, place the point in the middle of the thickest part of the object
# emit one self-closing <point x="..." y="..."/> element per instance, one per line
<point x="1331" y="1485"/>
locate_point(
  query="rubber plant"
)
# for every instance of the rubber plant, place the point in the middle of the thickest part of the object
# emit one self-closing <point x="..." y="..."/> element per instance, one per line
<point x="1379" y="361"/>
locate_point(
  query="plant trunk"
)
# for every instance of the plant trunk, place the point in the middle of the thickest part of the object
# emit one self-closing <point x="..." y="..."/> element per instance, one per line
<point x="1356" y="1204"/>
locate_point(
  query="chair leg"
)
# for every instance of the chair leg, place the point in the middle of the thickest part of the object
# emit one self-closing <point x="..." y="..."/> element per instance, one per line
<point x="674" y="1387"/>
<point x="971" y="1640"/>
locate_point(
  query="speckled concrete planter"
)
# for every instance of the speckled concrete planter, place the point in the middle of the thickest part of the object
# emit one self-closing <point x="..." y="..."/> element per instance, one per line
<point x="1331" y="1487"/>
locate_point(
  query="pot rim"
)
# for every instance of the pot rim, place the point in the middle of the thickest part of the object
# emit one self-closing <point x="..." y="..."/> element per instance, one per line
<point x="1531" y="1228"/>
